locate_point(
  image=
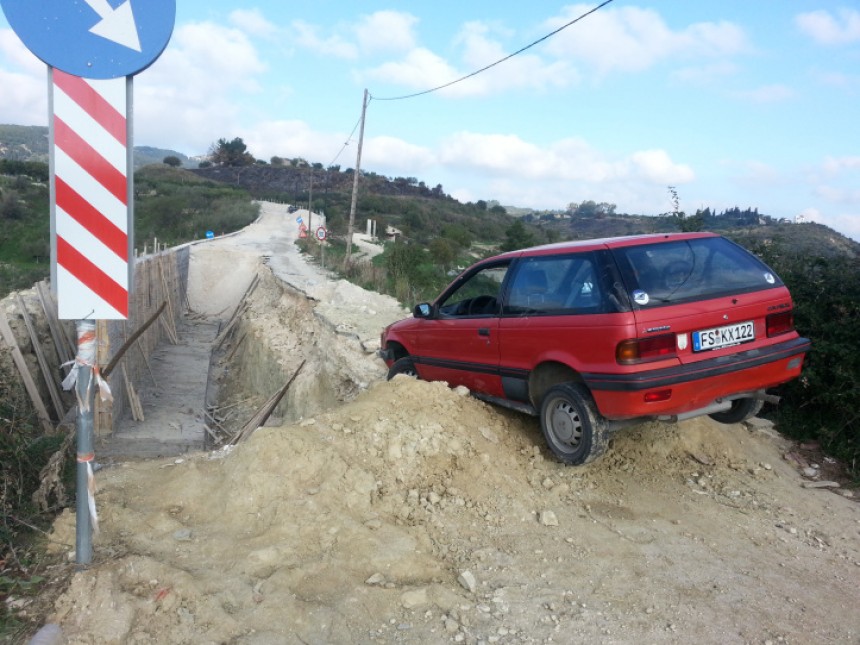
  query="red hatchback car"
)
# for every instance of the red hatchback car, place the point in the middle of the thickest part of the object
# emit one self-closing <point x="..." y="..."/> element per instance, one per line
<point x="593" y="335"/>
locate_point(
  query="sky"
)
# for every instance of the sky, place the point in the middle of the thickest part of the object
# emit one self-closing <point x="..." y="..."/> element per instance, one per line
<point x="731" y="102"/>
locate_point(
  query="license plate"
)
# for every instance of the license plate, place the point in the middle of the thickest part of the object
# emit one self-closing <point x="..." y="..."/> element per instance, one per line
<point x="723" y="336"/>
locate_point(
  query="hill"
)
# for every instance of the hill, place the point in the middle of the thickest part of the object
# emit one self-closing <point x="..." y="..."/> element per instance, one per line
<point x="30" y="143"/>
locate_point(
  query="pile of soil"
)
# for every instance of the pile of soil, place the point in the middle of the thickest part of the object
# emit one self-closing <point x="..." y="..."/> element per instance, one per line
<point x="408" y="512"/>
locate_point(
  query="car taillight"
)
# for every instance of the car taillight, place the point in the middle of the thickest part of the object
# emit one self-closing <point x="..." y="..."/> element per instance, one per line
<point x="780" y="323"/>
<point x="642" y="350"/>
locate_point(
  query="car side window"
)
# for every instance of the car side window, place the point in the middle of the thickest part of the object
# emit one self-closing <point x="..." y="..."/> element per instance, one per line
<point x="478" y="295"/>
<point x="555" y="285"/>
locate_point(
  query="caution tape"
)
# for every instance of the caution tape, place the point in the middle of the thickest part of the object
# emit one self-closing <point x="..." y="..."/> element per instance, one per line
<point x="86" y="357"/>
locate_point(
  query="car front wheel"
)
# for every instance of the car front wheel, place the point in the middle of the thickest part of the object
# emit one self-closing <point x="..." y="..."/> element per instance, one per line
<point x="403" y="365"/>
<point x="573" y="428"/>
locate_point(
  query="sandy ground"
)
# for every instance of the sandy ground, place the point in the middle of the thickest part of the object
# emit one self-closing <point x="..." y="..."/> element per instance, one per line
<point x="406" y="512"/>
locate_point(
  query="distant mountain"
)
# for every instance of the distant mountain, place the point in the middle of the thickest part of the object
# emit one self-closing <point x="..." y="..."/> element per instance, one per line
<point x="30" y="143"/>
<point x="145" y="155"/>
<point x="24" y="143"/>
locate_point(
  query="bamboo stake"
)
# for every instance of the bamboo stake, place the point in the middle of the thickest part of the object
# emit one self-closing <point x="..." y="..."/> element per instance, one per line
<point x="122" y="350"/>
<point x="47" y="374"/>
<point x="29" y="384"/>
<point x="60" y="342"/>
<point x="265" y="412"/>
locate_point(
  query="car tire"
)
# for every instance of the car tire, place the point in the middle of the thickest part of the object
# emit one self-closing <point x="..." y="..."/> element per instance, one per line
<point x="741" y="410"/>
<point x="572" y="427"/>
<point x="403" y="365"/>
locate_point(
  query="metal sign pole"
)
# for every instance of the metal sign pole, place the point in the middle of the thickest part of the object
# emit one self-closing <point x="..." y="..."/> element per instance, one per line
<point x="91" y="52"/>
<point x="85" y="384"/>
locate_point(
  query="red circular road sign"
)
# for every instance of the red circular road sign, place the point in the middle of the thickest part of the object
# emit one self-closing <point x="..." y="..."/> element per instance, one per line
<point x="321" y="233"/>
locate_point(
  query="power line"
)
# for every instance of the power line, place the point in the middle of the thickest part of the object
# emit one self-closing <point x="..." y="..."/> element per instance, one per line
<point x="501" y="60"/>
<point x="348" y="139"/>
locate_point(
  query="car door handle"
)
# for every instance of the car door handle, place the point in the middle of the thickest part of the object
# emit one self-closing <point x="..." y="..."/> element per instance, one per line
<point x="483" y="331"/>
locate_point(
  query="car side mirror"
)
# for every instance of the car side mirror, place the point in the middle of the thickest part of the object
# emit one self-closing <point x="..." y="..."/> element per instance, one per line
<point x="422" y="310"/>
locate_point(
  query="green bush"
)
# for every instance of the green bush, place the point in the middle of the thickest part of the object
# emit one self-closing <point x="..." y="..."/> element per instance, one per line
<point x="824" y="404"/>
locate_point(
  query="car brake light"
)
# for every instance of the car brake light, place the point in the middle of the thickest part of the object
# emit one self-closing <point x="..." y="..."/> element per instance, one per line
<point x="780" y="323"/>
<point x="642" y="350"/>
<point x="657" y="396"/>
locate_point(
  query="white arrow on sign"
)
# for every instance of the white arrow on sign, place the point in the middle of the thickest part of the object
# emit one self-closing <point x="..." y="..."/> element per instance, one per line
<point x="116" y="24"/>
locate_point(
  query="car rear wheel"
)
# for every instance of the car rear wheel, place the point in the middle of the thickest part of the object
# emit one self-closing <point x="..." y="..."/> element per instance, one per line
<point x="573" y="428"/>
<point x="741" y="410"/>
<point x="403" y="365"/>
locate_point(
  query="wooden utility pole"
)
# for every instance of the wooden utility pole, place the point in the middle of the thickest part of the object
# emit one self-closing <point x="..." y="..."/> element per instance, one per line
<point x="355" y="180"/>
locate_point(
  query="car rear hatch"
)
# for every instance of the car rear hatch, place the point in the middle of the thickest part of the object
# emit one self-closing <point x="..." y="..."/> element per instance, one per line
<point x="713" y="297"/>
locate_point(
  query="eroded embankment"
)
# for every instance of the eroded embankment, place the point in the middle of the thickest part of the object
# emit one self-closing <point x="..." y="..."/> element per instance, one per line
<point x="278" y="332"/>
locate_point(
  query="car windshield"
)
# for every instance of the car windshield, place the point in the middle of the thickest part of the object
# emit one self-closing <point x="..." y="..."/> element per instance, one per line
<point x="696" y="269"/>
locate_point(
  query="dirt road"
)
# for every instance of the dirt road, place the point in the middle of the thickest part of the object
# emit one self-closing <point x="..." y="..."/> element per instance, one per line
<point x="406" y="512"/>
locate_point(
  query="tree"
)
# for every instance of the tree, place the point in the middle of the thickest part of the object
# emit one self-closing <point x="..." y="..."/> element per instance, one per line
<point x="173" y="161"/>
<point x="517" y="236"/>
<point x="11" y="206"/>
<point x="231" y="153"/>
<point x="443" y="251"/>
<point x="276" y="161"/>
<point x="686" y="224"/>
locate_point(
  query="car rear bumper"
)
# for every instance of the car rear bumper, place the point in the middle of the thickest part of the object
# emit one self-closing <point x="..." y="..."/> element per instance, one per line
<point x="696" y="385"/>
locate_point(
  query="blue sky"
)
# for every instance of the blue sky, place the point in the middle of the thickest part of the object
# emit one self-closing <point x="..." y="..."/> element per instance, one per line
<point x="735" y="103"/>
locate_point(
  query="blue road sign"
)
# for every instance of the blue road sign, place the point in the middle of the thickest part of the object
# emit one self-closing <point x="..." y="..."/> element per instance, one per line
<point x="97" y="39"/>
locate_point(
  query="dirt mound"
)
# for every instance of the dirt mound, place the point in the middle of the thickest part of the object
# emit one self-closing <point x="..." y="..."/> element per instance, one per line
<point x="407" y="512"/>
<point x="418" y="514"/>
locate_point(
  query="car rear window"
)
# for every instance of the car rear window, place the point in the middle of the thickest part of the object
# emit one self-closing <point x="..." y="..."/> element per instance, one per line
<point x="688" y="270"/>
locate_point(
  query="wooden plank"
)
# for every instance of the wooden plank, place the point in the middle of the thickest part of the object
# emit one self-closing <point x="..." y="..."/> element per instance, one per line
<point x="171" y="314"/>
<point x="133" y="400"/>
<point x="104" y="409"/>
<point x="29" y="384"/>
<point x="65" y="352"/>
<point x="47" y="373"/>
<point x="264" y="412"/>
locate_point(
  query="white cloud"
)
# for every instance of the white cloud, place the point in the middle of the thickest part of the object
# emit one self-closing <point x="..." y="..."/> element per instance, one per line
<point x="254" y="23"/>
<point x="838" y="80"/>
<point x="565" y="160"/>
<point x="422" y="69"/>
<point x="775" y="93"/>
<point x="293" y="138"/>
<point x="28" y="104"/>
<point x="827" y="29"/>
<point x="386" y="31"/>
<point x="186" y="100"/>
<point x="630" y="39"/>
<point x="657" y="167"/>
<point x="836" y="165"/>
<point x="845" y="221"/>
<point x="706" y="75"/>
<point x="308" y="36"/>
<point x="394" y="156"/>
<point x="14" y="51"/>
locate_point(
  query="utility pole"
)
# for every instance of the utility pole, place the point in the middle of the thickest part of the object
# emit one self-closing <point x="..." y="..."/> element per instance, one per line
<point x="355" y="179"/>
<point x="310" y="202"/>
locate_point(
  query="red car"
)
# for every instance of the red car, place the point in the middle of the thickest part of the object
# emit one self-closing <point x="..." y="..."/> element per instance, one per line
<point x="593" y="335"/>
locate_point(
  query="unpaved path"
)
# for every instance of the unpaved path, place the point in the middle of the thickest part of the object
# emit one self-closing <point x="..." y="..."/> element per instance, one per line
<point x="405" y="512"/>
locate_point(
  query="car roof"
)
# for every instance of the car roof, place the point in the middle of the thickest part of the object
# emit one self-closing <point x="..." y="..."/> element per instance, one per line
<point x="603" y="243"/>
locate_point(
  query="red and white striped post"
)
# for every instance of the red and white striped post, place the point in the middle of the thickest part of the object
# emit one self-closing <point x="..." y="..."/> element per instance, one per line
<point x="91" y="216"/>
<point x="98" y="47"/>
<point x="91" y="144"/>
